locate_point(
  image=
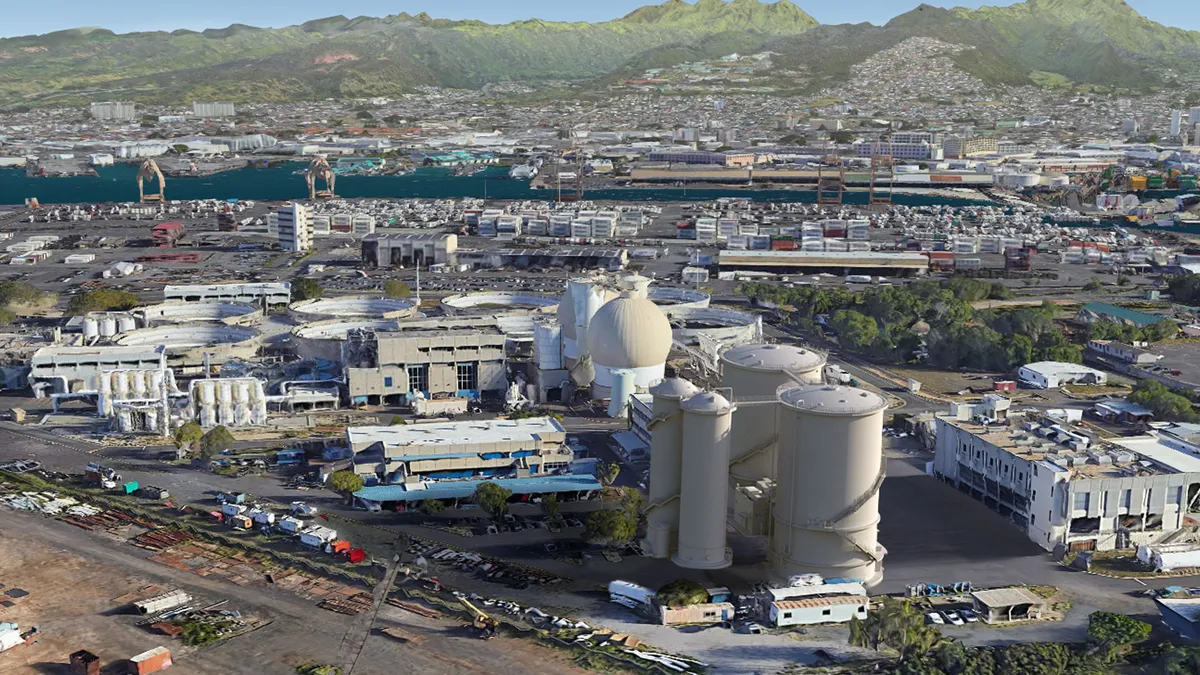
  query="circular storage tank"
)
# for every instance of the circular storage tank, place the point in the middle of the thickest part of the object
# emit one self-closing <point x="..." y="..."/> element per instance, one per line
<point x="672" y="298"/>
<point x="493" y="301"/>
<point x="826" y="512"/>
<point x="758" y="371"/>
<point x="187" y="312"/>
<point x="666" y="459"/>
<point x="704" y="488"/>
<point x="629" y="333"/>
<point x="187" y="346"/>
<point x="353" y="306"/>
<point x="324" y="339"/>
<point x="729" y="326"/>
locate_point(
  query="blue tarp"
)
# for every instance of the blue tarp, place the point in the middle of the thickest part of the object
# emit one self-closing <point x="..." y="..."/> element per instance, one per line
<point x="465" y="488"/>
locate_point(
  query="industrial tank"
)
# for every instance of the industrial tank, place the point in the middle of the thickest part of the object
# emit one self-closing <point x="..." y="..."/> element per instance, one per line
<point x="632" y="333"/>
<point x="579" y="304"/>
<point x="622" y="389"/>
<point x="666" y="450"/>
<point x="547" y="344"/>
<point x="830" y="468"/>
<point x="758" y="371"/>
<point x="704" y="489"/>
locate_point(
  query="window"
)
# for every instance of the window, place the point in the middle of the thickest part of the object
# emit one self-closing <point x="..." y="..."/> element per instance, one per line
<point x="1082" y="501"/>
<point x="1021" y="475"/>
<point x="787" y="615"/>
<point x="387" y="382"/>
<point x="1032" y="519"/>
<point x="418" y="378"/>
<point x="1177" y="495"/>
<point x="1034" y="494"/>
<point x="709" y="615"/>
<point x="468" y="376"/>
<point x="1126" y="498"/>
<point x="1035" y="469"/>
<point x="826" y="612"/>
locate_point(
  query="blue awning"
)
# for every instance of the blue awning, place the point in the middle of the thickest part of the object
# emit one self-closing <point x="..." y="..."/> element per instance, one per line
<point x="460" y="489"/>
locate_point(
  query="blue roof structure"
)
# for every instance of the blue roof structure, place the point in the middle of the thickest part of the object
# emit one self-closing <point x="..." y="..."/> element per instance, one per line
<point x="460" y="489"/>
<point x="1121" y="314"/>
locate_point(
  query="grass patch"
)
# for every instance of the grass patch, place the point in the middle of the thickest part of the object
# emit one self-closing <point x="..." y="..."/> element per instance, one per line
<point x="1044" y="591"/>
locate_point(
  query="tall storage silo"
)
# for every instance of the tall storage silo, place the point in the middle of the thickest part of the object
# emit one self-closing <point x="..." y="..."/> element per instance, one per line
<point x="666" y="456"/>
<point x="622" y="389"/>
<point x="583" y="298"/>
<point x="826" y="514"/>
<point x="704" y="489"/>
<point x="547" y="344"/>
<point x="758" y="371"/>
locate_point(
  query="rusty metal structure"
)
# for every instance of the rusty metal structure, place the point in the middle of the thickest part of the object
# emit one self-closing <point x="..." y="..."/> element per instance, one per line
<point x="150" y="171"/>
<point x="319" y="170"/>
<point x="831" y="180"/>
<point x="883" y="179"/>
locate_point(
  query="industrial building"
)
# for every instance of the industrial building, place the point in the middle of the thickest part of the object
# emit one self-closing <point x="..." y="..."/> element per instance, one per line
<point x="258" y="294"/>
<point x="572" y="258"/>
<point x="1062" y="486"/>
<point x="961" y="147"/>
<point x="447" y="460"/>
<point x="436" y="363"/>
<point x="1054" y="374"/>
<point x="837" y="262"/>
<point x="403" y="250"/>
<point x="76" y="370"/>
<point x="295" y="228"/>
<point x="817" y="603"/>
<point x="1102" y="311"/>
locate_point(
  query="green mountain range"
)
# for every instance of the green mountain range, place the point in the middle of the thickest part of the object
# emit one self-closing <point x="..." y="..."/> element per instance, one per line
<point x="1087" y="41"/>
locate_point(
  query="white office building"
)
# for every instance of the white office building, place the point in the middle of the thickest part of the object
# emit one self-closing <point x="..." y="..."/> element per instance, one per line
<point x="212" y="110"/>
<point x="1176" y="122"/>
<point x="295" y="227"/>
<point x="113" y="111"/>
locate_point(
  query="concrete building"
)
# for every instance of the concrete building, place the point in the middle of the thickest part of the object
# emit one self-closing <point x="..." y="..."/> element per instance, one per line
<point x="389" y="367"/>
<point x="632" y="335"/>
<point x="212" y="110"/>
<point x="76" y="370"/>
<point x="818" y="603"/>
<point x="1054" y="374"/>
<point x="295" y="228"/>
<point x="258" y="294"/>
<point x="961" y="147"/>
<point x="1123" y="352"/>
<point x="420" y="455"/>
<point x="396" y="250"/>
<point x="1176" y="122"/>
<point x="1065" y="490"/>
<point x="115" y="111"/>
<point x="1006" y="605"/>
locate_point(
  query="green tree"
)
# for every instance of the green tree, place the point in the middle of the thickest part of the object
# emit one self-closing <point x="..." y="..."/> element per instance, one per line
<point x="1037" y="658"/>
<point x="550" y="506"/>
<point x="398" y="421"/>
<point x="432" y="506"/>
<point x="1093" y="285"/>
<point x="607" y="472"/>
<point x="19" y="293"/>
<point x="1019" y="351"/>
<point x="610" y="527"/>
<point x="1122" y="280"/>
<point x="396" y="289"/>
<point x="1115" y="631"/>
<point x="187" y="435"/>
<point x="955" y="658"/>
<point x="215" y="441"/>
<point x="681" y="593"/>
<point x="364" y="115"/>
<point x="899" y="625"/>
<point x="305" y="288"/>
<point x="632" y="500"/>
<point x="1163" y="330"/>
<point x="856" y="331"/>
<point x="492" y="498"/>
<point x="1163" y="402"/>
<point x="1185" y="288"/>
<point x="1000" y="292"/>
<point x="6" y="317"/>
<point x="345" y="483"/>
<point x="101" y="300"/>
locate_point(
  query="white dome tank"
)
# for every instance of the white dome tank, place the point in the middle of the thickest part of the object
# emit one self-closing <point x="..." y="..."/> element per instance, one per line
<point x="826" y="513"/>
<point x="632" y="333"/>
<point x="666" y="456"/>
<point x="758" y="371"/>
<point x="704" y="489"/>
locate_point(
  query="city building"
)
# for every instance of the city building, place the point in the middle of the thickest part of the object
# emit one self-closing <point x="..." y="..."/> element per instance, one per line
<point x="295" y="227"/>
<point x="1054" y="374"/>
<point x="916" y="150"/>
<point x="701" y="157"/>
<point x="960" y="147"/>
<point x="271" y="293"/>
<point x="1062" y="487"/>
<point x="1176" y="122"/>
<point x="114" y="111"/>
<point x="434" y="363"/>
<point x="212" y="110"/>
<point x="402" y="250"/>
<point x="1129" y="127"/>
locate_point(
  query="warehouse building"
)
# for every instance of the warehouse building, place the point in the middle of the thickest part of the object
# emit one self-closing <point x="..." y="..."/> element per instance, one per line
<point x="837" y="262"/>
<point x="1102" y="311"/>
<point x="76" y="370"/>
<point x="1063" y="488"/>
<point x="463" y="363"/>
<point x="276" y="293"/>
<point x="403" y="250"/>
<point x="1054" y="374"/>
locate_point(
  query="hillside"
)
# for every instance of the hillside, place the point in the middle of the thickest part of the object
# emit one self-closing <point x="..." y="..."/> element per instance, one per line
<point x="1102" y="42"/>
<point x="364" y="56"/>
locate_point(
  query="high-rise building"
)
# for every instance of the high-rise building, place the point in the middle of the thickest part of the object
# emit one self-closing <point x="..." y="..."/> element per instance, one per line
<point x="295" y="227"/>
<point x="1194" y="116"/>
<point x="212" y="110"/>
<point x="1129" y="127"/>
<point x="1176" y="122"/>
<point x="113" y="110"/>
<point x="959" y="147"/>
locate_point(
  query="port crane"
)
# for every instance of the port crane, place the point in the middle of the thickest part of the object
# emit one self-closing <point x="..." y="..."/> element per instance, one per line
<point x="480" y="621"/>
<point x="150" y="171"/>
<point x="319" y="170"/>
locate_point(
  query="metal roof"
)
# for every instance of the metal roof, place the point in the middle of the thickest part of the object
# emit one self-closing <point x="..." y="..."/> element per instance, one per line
<point x="774" y="358"/>
<point x="460" y="489"/>
<point x="822" y="602"/>
<point x="1131" y="315"/>
<point x="471" y="432"/>
<point x="824" y="259"/>
<point x="1008" y="597"/>
<point x="833" y="400"/>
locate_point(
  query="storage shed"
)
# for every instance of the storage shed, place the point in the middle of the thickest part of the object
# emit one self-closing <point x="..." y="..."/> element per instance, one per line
<point x="1005" y="605"/>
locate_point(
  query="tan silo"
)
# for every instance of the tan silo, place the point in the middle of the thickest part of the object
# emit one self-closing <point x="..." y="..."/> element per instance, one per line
<point x="830" y="468"/>
<point x="758" y="371"/>
<point x="704" y="489"/>
<point x="666" y="451"/>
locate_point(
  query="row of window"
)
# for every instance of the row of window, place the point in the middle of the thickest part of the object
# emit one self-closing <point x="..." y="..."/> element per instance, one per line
<point x="1083" y="500"/>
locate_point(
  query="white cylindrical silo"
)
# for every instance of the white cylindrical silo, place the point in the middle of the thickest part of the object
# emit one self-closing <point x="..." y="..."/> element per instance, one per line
<point x="758" y="371"/>
<point x="622" y="389"/>
<point x="826" y="513"/>
<point x="704" y="488"/>
<point x="547" y="344"/>
<point x="208" y="392"/>
<point x="126" y="323"/>
<point x="666" y="457"/>
<point x="91" y="327"/>
<point x="137" y="384"/>
<point x="121" y="384"/>
<point x="108" y="326"/>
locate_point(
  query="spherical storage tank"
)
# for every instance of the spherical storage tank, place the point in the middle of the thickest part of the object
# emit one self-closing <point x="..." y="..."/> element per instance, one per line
<point x="757" y="371"/>
<point x="631" y="333"/>
<point x="704" y="489"/>
<point x="666" y="457"/>
<point x="830" y="468"/>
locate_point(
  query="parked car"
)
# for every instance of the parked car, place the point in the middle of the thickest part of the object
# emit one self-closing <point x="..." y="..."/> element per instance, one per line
<point x="970" y="616"/>
<point x="934" y="618"/>
<point x="953" y="618"/>
<point x="753" y="628"/>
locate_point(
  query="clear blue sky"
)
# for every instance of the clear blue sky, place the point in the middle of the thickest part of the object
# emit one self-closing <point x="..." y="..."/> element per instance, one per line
<point x="22" y="17"/>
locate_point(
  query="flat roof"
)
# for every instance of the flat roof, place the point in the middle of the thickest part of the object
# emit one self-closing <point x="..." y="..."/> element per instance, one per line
<point x="1008" y="597"/>
<point x="104" y="352"/>
<point x="1151" y="447"/>
<point x="824" y="259"/>
<point x="1131" y="315"/>
<point x="472" y="432"/>
<point x="822" y="602"/>
<point x="459" y="489"/>
<point x="1187" y="608"/>
<point x="1060" y="367"/>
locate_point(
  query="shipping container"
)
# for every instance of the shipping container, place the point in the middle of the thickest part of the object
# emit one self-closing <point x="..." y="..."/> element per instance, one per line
<point x="151" y="661"/>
